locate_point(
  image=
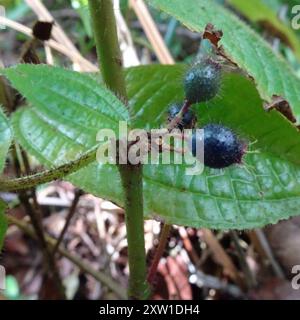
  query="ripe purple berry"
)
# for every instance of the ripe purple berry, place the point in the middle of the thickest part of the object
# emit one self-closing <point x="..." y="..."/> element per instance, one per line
<point x="188" y="120"/>
<point x="222" y="148"/>
<point x="202" y="81"/>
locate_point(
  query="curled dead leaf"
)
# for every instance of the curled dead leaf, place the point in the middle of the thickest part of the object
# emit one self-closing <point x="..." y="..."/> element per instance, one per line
<point x="42" y="30"/>
<point x="281" y="105"/>
<point x="213" y="35"/>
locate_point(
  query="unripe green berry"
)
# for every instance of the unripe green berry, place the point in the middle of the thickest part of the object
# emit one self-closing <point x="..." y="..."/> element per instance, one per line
<point x="202" y="81"/>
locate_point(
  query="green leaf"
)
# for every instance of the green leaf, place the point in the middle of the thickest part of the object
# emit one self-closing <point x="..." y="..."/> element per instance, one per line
<point x="271" y="73"/>
<point x="258" y="12"/>
<point x="264" y="190"/>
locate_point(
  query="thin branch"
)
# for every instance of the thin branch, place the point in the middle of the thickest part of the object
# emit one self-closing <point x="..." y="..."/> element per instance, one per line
<point x="72" y="210"/>
<point x="262" y="245"/>
<point x="48" y="175"/>
<point x="221" y="256"/>
<point x="163" y="240"/>
<point x="152" y="32"/>
<point x="57" y="32"/>
<point x="249" y="277"/>
<point x="75" y="57"/>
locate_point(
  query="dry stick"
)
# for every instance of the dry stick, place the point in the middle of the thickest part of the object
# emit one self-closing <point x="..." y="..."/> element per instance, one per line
<point x="151" y="31"/>
<point x="249" y="277"/>
<point x="221" y="256"/>
<point x="98" y="275"/>
<point x="189" y="247"/>
<point x="163" y="240"/>
<point x="72" y="210"/>
<point x="130" y="57"/>
<point x="261" y="244"/>
<point x="73" y="56"/>
<point x="49" y="56"/>
<point x="57" y="32"/>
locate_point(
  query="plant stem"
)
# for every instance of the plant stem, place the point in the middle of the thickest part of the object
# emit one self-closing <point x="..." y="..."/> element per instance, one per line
<point x="173" y="124"/>
<point x="110" y="62"/>
<point x="131" y="176"/>
<point x="108" y="51"/>
<point x="48" y="175"/>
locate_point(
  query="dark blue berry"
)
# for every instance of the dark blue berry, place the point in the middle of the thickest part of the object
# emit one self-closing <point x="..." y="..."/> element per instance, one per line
<point x="187" y="120"/>
<point x="222" y="147"/>
<point x="202" y="81"/>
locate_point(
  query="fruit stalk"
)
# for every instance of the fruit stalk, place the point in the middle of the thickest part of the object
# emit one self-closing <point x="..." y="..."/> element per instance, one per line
<point x="173" y="124"/>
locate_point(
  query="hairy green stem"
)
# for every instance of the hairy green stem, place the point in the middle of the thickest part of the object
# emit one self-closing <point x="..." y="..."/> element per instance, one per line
<point x="108" y="51"/>
<point x="131" y="176"/>
<point x="48" y="175"/>
<point x="110" y="62"/>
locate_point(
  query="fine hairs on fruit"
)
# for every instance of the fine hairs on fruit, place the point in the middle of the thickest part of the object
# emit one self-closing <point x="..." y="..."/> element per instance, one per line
<point x="222" y="147"/>
<point x="202" y="81"/>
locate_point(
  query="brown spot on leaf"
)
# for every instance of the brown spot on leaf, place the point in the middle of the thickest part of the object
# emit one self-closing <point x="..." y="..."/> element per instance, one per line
<point x="213" y="35"/>
<point x="281" y="105"/>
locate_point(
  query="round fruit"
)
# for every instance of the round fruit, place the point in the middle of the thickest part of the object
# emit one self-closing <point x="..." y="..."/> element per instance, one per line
<point x="222" y="147"/>
<point x="187" y="120"/>
<point x="202" y="82"/>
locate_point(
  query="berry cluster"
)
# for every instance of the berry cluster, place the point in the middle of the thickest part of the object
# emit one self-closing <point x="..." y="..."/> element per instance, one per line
<point x="222" y="147"/>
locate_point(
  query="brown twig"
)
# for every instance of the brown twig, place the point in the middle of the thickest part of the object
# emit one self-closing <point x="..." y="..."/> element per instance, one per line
<point x="163" y="239"/>
<point x="261" y="244"/>
<point x="58" y="34"/>
<point x="249" y="277"/>
<point x="221" y="256"/>
<point x="78" y="193"/>
<point x="74" y="57"/>
<point x="152" y="32"/>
